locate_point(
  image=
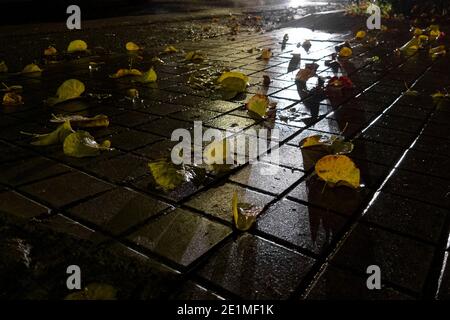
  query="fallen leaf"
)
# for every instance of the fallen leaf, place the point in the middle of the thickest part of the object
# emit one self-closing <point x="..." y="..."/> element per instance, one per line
<point x="195" y="56"/>
<point x="338" y="170"/>
<point x="170" y="49"/>
<point x="94" y="291"/>
<point x="12" y="99"/>
<point x="345" y="52"/>
<point x="50" y="51"/>
<point x="79" y="121"/>
<point x="305" y="74"/>
<point x="266" y="80"/>
<point x="149" y="76"/>
<point x="438" y="51"/>
<point x="169" y="176"/>
<point x="31" y="68"/>
<point x="306" y="45"/>
<point x="77" y="46"/>
<point x="3" y="67"/>
<point x="132" y="93"/>
<point x="157" y="60"/>
<point x="82" y="144"/>
<point x="54" y="137"/>
<point x="233" y="82"/>
<point x="360" y="35"/>
<point x="126" y="72"/>
<point x="266" y="54"/>
<point x="332" y="145"/>
<point x="244" y="214"/>
<point x="258" y="104"/>
<point x="68" y="90"/>
<point x="131" y="46"/>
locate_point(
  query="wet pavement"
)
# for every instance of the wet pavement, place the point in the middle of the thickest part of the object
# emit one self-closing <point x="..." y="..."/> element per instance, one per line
<point x="310" y="242"/>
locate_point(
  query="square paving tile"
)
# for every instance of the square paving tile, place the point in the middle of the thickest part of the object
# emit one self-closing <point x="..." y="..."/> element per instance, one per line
<point x="165" y="126"/>
<point x="266" y="177"/>
<point x="427" y="163"/>
<point x="118" y="209"/>
<point x="339" y="199"/>
<point x="67" y="188"/>
<point x="253" y="268"/>
<point x="376" y="152"/>
<point x="421" y="187"/>
<point x="337" y="284"/>
<point x="71" y="228"/>
<point x="30" y="169"/>
<point x="293" y="157"/>
<point x="180" y="236"/>
<point x="120" y="169"/>
<point x="389" y="136"/>
<point x="130" y="139"/>
<point x="18" y="207"/>
<point x="217" y="201"/>
<point x="407" y="216"/>
<point x="310" y="228"/>
<point x="402" y="261"/>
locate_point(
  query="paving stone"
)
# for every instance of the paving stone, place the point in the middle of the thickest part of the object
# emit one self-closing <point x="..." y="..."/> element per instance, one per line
<point x="339" y="199"/>
<point x="337" y="128"/>
<point x="418" y="186"/>
<point x="192" y="291"/>
<point x="402" y="261"/>
<point x="432" y="145"/>
<point x="389" y="136"/>
<point x="132" y="118"/>
<point x="158" y="150"/>
<point x="336" y="284"/>
<point x="231" y="123"/>
<point x="130" y="139"/>
<point x="267" y="177"/>
<point x="293" y="157"/>
<point x="30" y="169"/>
<point x="69" y="227"/>
<point x="18" y="207"/>
<point x="376" y="152"/>
<point x="444" y="286"/>
<point x="120" y="169"/>
<point x="253" y="268"/>
<point x="400" y="123"/>
<point x="407" y="111"/>
<point x="118" y="210"/>
<point x="180" y="236"/>
<point x="217" y="200"/>
<point x="65" y="189"/>
<point x="407" y="216"/>
<point x="437" y="130"/>
<point x="310" y="228"/>
<point x="165" y="126"/>
<point x="427" y="163"/>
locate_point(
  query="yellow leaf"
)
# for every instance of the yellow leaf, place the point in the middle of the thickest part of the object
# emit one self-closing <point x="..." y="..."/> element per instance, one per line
<point x="266" y="53"/>
<point x="50" y="51"/>
<point x="233" y="81"/>
<point x="244" y="214"/>
<point x="195" y="56"/>
<point x="131" y="46"/>
<point x="360" y="35"/>
<point x="31" y="68"/>
<point x="76" y="46"/>
<point x="258" y="104"/>
<point x="12" y="99"/>
<point x="132" y="93"/>
<point x="338" y="170"/>
<point x="149" y="76"/>
<point x="417" y="32"/>
<point x="170" y="49"/>
<point x="126" y="72"/>
<point x="79" y="121"/>
<point x="311" y="141"/>
<point x="345" y="52"/>
<point x="3" y="67"/>
<point x="70" y="89"/>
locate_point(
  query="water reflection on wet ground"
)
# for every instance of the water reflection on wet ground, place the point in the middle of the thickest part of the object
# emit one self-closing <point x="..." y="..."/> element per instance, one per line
<point x="310" y="241"/>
